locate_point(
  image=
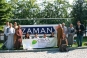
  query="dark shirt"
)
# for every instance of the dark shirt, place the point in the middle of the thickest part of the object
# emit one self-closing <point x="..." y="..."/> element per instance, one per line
<point x="82" y="28"/>
<point x="63" y="42"/>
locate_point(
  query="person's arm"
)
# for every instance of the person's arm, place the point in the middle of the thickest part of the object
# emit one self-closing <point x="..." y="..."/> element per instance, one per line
<point x="66" y="42"/>
<point x="17" y="33"/>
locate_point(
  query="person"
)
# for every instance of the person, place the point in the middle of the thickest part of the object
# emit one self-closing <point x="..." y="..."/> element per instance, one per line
<point x="64" y="29"/>
<point x="71" y="32"/>
<point x="52" y="34"/>
<point x="59" y="34"/>
<point x="36" y="36"/>
<point x="10" y="34"/>
<point x="19" y="37"/>
<point x="63" y="43"/>
<point x="27" y="36"/>
<point x="44" y="36"/>
<point x="15" y="36"/>
<point x="80" y="31"/>
<point x="15" y="25"/>
<point x="5" y="31"/>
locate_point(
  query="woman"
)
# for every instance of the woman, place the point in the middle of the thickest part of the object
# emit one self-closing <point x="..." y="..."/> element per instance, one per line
<point x="19" y="38"/>
<point x="27" y="36"/>
<point x="36" y="36"/>
<point x="44" y="36"/>
<point x="15" y="36"/>
<point x="10" y="34"/>
<point x="71" y="32"/>
<point x="63" y="44"/>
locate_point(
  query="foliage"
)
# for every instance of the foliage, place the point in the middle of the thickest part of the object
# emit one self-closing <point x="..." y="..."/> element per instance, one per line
<point x="5" y="12"/>
<point x="79" y="12"/>
<point x="27" y="9"/>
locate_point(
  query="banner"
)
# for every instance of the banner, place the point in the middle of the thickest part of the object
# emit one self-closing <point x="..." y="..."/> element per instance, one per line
<point x="40" y="29"/>
<point x="39" y="43"/>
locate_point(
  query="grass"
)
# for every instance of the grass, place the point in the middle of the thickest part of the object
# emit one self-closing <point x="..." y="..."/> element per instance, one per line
<point x="84" y="40"/>
<point x="74" y="45"/>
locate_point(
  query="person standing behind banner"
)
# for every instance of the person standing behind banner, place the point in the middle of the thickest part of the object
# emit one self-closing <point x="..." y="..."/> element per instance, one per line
<point x="36" y="36"/>
<point x="80" y="31"/>
<point x="59" y="34"/>
<point x="71" y="32"/>
<point x="15" y="36"/>
<point x="19" y="37"/>
<point x="5" y="31"/>
<point x="10" y="34"/>
<point x="64" y="29"/>
<point x="44" y="36"/>
<point x="27" y="36"/>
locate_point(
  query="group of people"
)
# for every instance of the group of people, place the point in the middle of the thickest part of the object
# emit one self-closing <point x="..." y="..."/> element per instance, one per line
<point x="12" y="36"/>
<point x="65" y="35"/>
<point x="27" y="36"/>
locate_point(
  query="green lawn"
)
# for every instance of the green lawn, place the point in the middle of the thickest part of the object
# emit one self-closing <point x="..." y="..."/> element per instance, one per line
<point x="74" y="45"/>
<point x="84" y="40"/>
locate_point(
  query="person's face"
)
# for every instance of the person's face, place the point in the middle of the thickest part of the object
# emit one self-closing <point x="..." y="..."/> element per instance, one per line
<point x="15" y="24"/>
<point x="10" y="24"/>
<point x="52" y="34"/>
<point x="27" y="35"/>
<point x="7" y="23"/>
<point x="63" y="25"/>
<point x="71" y="25"/>
<point x="59" y="26"/>
<point x="35" y="35"/>
<point x="44" y="35"/>
<point x="64" y="35"/>
<point x="78" y="23"/>
<point x="19" y="26"/>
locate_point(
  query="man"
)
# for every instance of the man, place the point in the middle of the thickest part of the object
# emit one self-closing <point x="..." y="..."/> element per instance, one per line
<point x="59" y="34"/>
<point x="5" y="31"/>
<point x="79" y="30"/>
<point x="64" y="29"/>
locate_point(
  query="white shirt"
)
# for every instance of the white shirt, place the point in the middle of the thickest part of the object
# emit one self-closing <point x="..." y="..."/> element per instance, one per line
<point x="11" y="31"/>
<point x="36" y="38"/>
<point x="5" y="29"/>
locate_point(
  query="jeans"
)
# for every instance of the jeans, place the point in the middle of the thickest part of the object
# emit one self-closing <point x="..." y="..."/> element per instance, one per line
<point x="79" y="40"/>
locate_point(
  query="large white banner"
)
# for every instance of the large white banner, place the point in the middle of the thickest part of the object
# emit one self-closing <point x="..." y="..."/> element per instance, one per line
<point x="39" y="43"/>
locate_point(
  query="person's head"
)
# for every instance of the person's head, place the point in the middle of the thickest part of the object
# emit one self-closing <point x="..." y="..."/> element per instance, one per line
<point x="59" y="26"/>
<point x="64" y="36"/>
<point x="15" y="23"/>
<point x="7" y="23"/>
<point x="27" y="35"/>
<point x="71" y="25"/>
<point x="44" y="35"/>
<point x="52" y="34"/>
<point x="10" y="24"/>
<point x="36" y="35"/>
<point x="63" y="24"/>
<point x="19" y="26"/>
<point x="78" y="23"/>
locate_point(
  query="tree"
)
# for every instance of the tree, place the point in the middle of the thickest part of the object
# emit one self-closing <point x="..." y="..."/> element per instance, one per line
<point x="5" y="12"/>
<point x="79" y="12"/>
